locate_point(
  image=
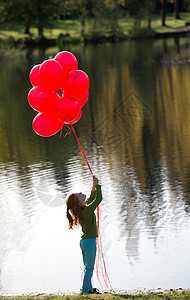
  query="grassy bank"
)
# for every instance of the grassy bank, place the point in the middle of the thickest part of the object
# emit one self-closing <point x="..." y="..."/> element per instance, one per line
<point x="69" y="31"/>
<point x="166" y="295"/>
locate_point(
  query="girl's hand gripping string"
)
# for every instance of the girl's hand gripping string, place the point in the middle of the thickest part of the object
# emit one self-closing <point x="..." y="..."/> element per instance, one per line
<point x="95" y="182"/>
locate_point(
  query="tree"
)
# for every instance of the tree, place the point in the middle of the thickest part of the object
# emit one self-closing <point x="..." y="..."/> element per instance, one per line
<point x="112" y="12"/>
<point x="26" y="13"/>
<point x="176" y="9"/>
<point x="83" y="12"/>
<point x="186" y="5"/>
<point x="148" y="8"/>
<point x="164" y="7"/>
<point x="141" y="9"/>
<point x="134" y="8"/>
<point x="163" y="11"/>
<point x="16" y="10"/>
<point x="79" y="9"/>
<point x="34" y="12"/>
<point x="176" y="4"/>
<point x="43" y="12"/>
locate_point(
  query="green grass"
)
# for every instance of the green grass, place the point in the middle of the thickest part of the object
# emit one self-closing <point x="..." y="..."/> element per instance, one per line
<point x="57" y="26"/>
<point x="171" y="23"/>
<point x="168" y="295"/>
<point x="15" y="30"/>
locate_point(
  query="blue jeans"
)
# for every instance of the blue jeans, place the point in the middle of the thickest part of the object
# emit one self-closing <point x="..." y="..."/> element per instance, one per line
<point x="88" y="247"/>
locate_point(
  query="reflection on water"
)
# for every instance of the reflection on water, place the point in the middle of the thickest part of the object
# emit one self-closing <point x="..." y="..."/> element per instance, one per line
<point x="135" y="133"/>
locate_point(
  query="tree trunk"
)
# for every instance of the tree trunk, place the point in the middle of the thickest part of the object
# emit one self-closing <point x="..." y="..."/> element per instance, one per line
<point x="176" y="9"/>
<point x="163" y="12"/>
<point x="149" y="21"/>
<point x="83" y="23"/>
<point x="40" y="31"/>
<point x="27" y="29"/>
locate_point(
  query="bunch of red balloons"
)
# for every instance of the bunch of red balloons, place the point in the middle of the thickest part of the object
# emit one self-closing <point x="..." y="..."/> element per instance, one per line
<point x="59" y="92"/>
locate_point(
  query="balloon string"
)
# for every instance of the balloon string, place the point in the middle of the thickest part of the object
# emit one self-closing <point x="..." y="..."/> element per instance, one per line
<point x="101" y="255"/>
<point x="61" y="131"/>
<point x="82" y="150"/>
<point x="68" y="131"/>
<point x="99" y="240"/>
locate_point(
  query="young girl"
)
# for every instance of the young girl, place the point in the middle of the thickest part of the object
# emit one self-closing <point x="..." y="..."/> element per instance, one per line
<point x="81" y="212"/>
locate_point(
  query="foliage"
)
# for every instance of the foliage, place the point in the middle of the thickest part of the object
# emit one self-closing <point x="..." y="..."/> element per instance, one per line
<point x="102" y="15"/>
<point x="30" y="12"/>
<point x="141" y="10"/>
<point x="186" y="5"/>
<point x="66" y="32"/>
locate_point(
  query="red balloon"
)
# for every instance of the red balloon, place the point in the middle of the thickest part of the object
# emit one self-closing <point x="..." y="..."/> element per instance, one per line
<point x="83" y="99"/>
<point x="52" y="74"/>
<point x="67" y="110"/>
<point x="77" y="118"/>
<point x="35" y="76"/>
<point x="42" y="101"/>
<point x="67" y="60"/>
<point x="76" y="84"/>
<point x="44" y="126"/>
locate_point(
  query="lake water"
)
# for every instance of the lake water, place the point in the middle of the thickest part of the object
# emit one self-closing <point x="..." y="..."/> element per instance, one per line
<point x="135" y="133"/>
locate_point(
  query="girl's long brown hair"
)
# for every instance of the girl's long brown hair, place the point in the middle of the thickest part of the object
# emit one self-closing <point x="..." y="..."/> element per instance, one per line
<point x="73" y="211"/>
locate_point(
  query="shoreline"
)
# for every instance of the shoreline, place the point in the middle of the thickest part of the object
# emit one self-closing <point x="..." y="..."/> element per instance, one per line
<point x="62" y="40"/>
<point x="131" y="294"/>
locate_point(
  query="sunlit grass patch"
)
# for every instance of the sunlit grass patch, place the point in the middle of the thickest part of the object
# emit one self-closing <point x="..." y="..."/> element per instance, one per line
<point x="55" y="28"/>
<point x="51" y="31"/>
<point x="171" y="23"/>
<point x="14" y="34"/>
